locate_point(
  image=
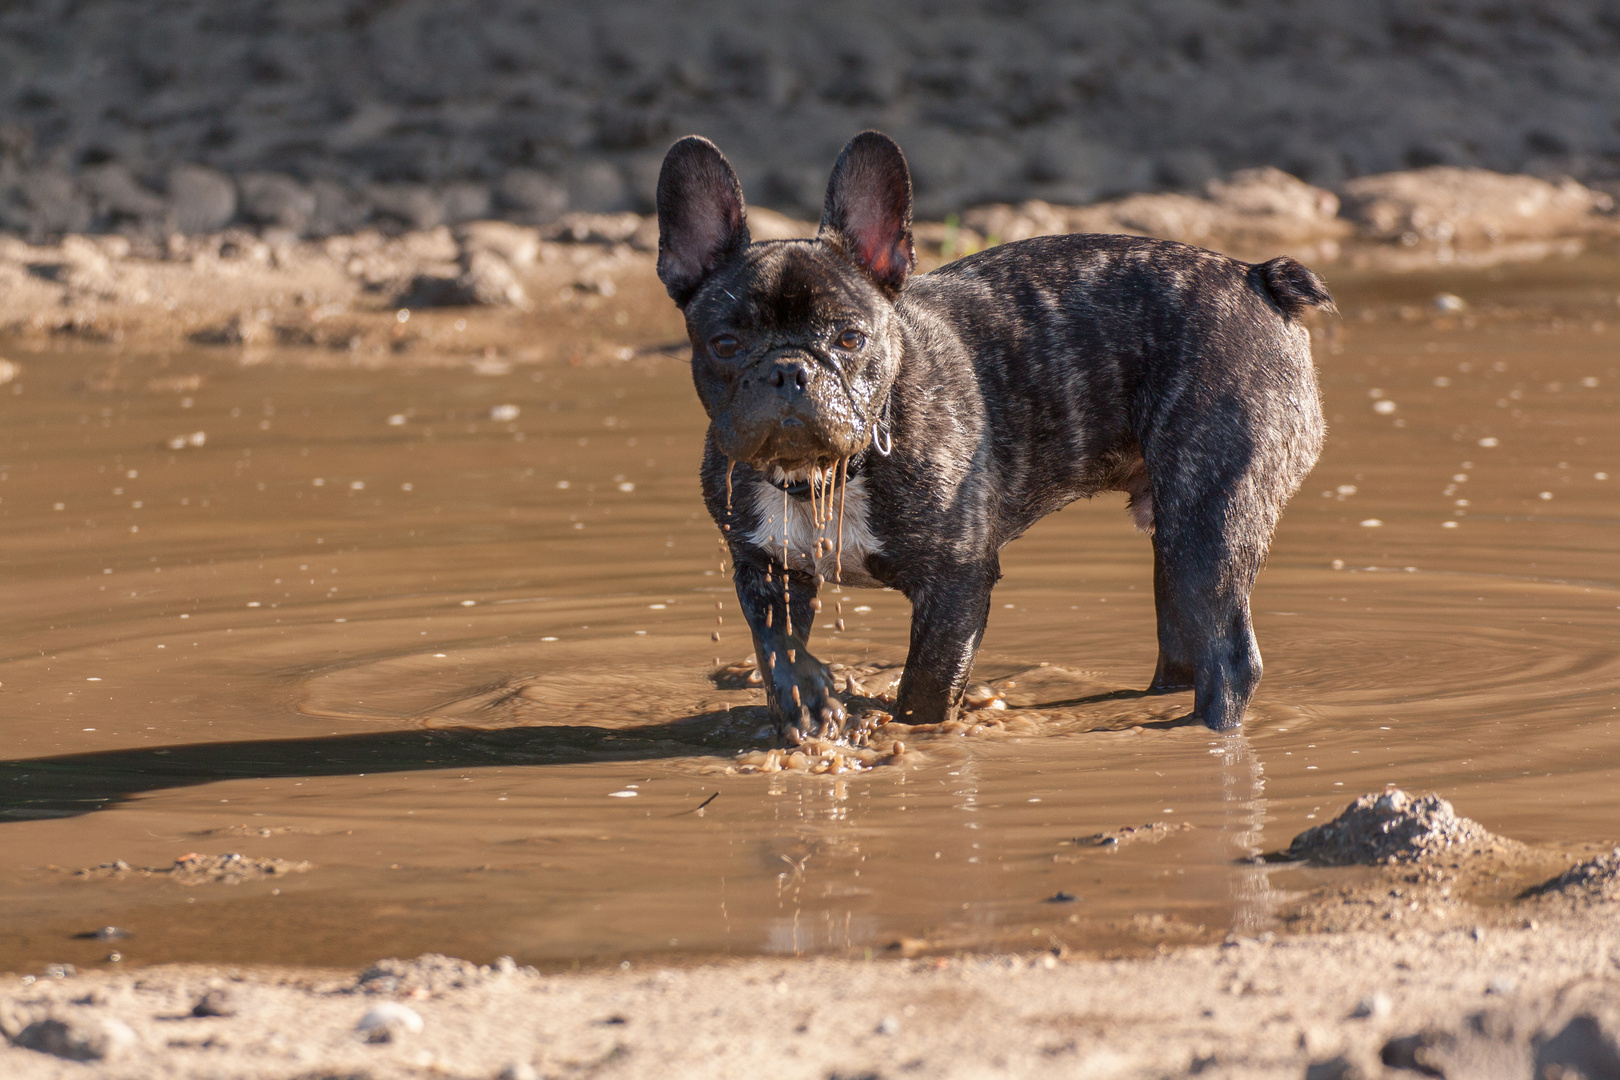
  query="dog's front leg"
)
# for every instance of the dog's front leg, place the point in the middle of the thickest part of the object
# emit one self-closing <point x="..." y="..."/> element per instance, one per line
<point x="798" y="687"/>
<point x="948" y="617"/>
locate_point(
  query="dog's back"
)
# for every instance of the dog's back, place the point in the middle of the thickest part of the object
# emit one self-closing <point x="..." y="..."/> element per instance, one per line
<point x="1091" y="352"/>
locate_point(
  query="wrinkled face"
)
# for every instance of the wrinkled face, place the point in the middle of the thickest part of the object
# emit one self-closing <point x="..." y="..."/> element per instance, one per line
<point x="793" y="351"/>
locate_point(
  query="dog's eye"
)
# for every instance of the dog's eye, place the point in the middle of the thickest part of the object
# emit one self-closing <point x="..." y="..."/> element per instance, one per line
<point x="851" y="340"/>
<point x="724" y="346"/>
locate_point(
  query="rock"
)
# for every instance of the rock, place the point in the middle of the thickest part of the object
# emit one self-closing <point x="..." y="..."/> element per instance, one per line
<point x="233" y="867"/>
<point x="464" y="201"/>
<point x="43" y="205"/>
<point x="594" y="228"/>
<point x="270" y="199"/>
<point x="1586" y="1046"/>
<point x="1170" y="217"/>
<point x="1391" y="826"/>
<point x="337" y="210"/>
<point x="1002" y="224"/>
<point x="201" y="199"/>
<point x="216" y="1001"/>
<point x="1374" y="1006"/>
<point x="431" y="972"/>
<point x="595" y="187"/>
<point x="1423" y="1053"/>
<point x="1268" y="206"/>
<point x="78" y="1037"/>
<point x="120" y="199"/>
<point x="531" y="197"/>
<point x="1335" y="1068"/>
<point x="485" y="279"/>
<point x="519" y="246"/>
<point x="413" y="206"/>
<point x="1448" y="205"/>
<point x="387" y="1021"/>
<point x="1594" y="881"/>
<point x="488" y="279"/>
<point x="518" y="1070"/>
<point x="1062" y="102"/>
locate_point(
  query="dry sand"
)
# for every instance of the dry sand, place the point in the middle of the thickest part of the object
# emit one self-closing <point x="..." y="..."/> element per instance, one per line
<point x="1438" y="979"/>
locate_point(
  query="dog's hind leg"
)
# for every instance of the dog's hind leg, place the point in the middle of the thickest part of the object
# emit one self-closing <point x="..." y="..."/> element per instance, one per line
<point x="1176" y="659"/>
<point x="1206" y="640"/>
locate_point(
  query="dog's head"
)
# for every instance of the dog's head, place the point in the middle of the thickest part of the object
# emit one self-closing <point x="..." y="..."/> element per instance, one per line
<point x="794" y="342"/>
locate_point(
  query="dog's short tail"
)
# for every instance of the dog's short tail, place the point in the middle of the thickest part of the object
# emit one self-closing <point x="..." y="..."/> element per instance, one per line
<point x="1293" y="288"/>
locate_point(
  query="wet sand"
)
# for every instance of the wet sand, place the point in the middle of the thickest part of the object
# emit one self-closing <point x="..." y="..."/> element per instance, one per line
<point x="270" y="600"/>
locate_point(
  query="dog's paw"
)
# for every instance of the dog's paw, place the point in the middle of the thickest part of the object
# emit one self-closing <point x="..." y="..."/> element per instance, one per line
<point x="804" y="693"/>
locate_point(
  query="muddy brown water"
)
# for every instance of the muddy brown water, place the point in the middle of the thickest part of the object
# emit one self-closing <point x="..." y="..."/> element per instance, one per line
<point x="458" y="660"/>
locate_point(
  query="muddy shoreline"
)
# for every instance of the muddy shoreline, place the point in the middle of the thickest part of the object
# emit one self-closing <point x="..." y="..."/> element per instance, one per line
<point x="1368" y="969"/>
<point x="1429" y="959"/>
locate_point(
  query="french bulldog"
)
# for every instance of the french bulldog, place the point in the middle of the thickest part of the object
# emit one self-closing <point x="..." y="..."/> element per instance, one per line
<point x="873" y="428"/>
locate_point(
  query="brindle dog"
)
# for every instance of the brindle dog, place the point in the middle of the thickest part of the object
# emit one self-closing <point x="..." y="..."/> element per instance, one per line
<point x="880" y="429"/>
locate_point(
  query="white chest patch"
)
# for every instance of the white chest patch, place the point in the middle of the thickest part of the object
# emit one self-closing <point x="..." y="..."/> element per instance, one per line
<point x="800" y="532"/>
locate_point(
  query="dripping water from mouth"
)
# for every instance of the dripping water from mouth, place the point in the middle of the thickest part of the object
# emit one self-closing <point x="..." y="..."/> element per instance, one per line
<point x="838" y="550"/>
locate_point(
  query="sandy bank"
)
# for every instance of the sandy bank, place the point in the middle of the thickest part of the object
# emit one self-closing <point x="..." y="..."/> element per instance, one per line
<point x="1481" y="1004"/>
<point x="582" y="288"/>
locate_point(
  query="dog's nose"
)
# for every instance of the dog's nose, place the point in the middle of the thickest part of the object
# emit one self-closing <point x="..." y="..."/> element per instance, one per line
<point x="790" y="375"/>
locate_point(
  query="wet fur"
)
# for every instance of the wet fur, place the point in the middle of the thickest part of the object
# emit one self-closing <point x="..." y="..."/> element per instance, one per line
<point x="1017" y="381"/>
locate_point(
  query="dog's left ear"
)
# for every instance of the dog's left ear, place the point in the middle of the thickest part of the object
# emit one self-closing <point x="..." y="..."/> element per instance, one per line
<point x="701" y="220"/>
<point x="868" y="210"/>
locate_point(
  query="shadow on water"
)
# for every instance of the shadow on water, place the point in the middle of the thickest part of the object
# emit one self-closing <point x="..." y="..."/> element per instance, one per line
<point x="68" y="785"/>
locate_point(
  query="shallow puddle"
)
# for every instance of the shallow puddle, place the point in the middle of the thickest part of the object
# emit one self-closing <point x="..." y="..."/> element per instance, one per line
<point x="445" y="637"/>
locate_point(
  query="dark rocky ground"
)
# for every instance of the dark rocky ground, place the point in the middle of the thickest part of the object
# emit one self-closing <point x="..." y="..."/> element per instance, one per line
<point x="321" y="116"/>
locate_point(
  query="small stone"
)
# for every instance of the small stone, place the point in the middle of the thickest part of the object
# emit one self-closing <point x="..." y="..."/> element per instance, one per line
<point x="273" y="200"/>
<point x="1375" y="1006"/>
<point x="1335" y="1068"/>
<point x="201" y="199"/>
<point x="216" y="1001"/>
<point x="78" y="1037"/>
<point x="387" y="1021"/>
<point x="1061" y="897"/>
<point x="1421" y="1053"/>
<point x="889" y="1025"/>
<point x="105" y="933"/>
<point x="518" y="1070"/>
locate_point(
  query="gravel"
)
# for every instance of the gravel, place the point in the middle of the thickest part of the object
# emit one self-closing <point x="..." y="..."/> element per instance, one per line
<point x="1594" y="880"/>
<point x="317" y="117"/>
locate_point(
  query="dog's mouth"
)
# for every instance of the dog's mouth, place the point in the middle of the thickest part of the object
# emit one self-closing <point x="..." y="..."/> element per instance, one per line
<point x="818" y="475"/>
<point x="790" y="442"/>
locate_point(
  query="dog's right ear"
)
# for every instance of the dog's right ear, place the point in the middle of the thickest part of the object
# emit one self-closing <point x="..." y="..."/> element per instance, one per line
<point x="701" y="220"/>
